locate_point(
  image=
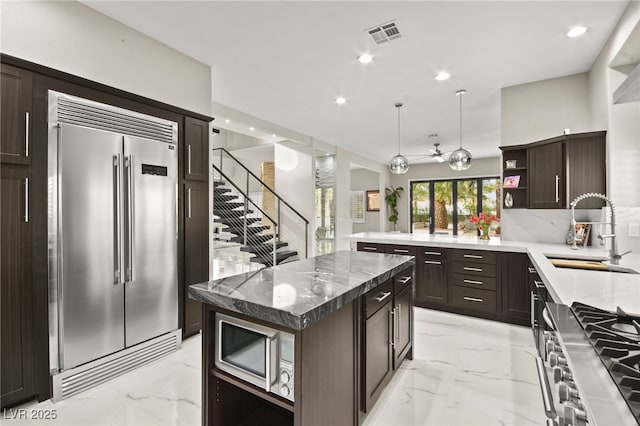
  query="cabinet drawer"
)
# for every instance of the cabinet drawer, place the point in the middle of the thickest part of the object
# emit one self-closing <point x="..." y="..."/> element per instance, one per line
<point x="403" y="280"/>
<point x="472" y="268"/>
<point x="371" y="247"/>
<point x="378" y="297"/>
<point x="404" y="250"/>
<point x="479" y="300"/>
<point x="432" y="253"/>
<point x="473" y="281"/>
<point x="481" y="256"/>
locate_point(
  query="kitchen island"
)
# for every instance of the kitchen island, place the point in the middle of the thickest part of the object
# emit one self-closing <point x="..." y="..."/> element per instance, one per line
<point x="349" y="317"/>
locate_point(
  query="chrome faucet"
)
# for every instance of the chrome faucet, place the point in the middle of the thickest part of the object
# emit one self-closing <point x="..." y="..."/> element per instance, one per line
<point x="614" y="256"/>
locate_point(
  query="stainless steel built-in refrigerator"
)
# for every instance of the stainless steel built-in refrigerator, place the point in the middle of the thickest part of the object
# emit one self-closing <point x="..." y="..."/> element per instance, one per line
<point x="113" y="228"/>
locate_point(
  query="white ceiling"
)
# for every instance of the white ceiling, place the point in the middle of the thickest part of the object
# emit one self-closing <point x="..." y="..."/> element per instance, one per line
<point x="285" y="62"/>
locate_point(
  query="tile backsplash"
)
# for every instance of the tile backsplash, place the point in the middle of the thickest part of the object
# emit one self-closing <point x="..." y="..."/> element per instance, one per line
<point x="551" y="226"/>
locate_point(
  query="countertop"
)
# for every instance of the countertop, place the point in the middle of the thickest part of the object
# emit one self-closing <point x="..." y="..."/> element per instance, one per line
<point x="606" y="290"/>
<point x="300" y="293"/>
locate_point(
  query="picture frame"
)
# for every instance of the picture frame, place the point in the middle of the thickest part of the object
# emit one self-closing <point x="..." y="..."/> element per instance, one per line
<point x="373" y="201"/>
<point x="583" y="231"/>
<point x="511" y="181"/>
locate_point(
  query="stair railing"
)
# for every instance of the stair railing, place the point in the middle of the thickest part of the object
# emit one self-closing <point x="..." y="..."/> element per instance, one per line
<point x="286" y="223"/>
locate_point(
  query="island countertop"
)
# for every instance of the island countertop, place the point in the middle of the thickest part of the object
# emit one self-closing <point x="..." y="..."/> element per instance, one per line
<point x="300" y="293"/>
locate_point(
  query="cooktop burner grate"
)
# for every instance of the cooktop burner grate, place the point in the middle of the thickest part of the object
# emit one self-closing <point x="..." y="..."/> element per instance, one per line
<point x="616" y="338"/>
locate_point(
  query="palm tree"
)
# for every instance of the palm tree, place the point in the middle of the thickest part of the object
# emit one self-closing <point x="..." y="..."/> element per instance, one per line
<point x="443" y="194"/>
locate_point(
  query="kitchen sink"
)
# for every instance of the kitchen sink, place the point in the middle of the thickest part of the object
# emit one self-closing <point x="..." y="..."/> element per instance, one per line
<point x="590" y="263"/>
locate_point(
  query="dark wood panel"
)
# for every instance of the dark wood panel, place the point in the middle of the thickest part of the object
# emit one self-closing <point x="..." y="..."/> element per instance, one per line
<point x="15" y="115"/>
<point x="474" y="281"/>
<point x="196" y="250"/>
<point x="547" y="176"/>
<point x="371" y="247"/>
<point x="16" y="288"/>
<point x="433" y="283"/>
<point x="401" y="249"/>
<point x="378" y="297"/>
<point x="377" y="356"/>
<point x="478" y="256"/>
<point x="514" y="280"/>
<point x="473" y="299"/>
<point x="586" y="157"/>
<point x="196" y="149"/>
<point x="471" y="268"/>
<point x="403" y="312"/>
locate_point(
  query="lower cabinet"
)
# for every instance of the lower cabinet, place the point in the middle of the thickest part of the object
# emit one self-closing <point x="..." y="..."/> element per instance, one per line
<point x="387" y="334"/>
<point x="515" y="288"/>
<point x="432" y="276"/>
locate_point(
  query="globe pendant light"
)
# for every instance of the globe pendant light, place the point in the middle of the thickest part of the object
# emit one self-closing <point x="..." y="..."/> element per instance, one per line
<point x="460" y="159"/>
<point x="399" y="164"/>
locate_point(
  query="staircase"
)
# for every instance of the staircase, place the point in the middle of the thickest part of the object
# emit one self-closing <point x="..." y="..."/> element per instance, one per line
<point x="242" y="216"/>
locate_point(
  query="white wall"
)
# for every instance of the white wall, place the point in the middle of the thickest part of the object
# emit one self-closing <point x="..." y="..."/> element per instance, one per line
<point x="543" y="109"/>
<point x="71" y="37"/>
<point x="480" y="167"/>
<point x="366" y="180"/>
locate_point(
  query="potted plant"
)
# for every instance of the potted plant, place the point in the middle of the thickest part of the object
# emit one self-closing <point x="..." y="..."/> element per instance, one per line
<point x="483" y="222"/>
<point x="391" y="198"/>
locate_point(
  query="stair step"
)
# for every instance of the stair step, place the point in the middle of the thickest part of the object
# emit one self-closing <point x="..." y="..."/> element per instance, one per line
<point x="251" y="230"/>
<point x="231" y="213"/>
<point x="229" y="205"/>
<point x="253" y="240"/>
<point x="217" y="183"/>
<point x="268" y="260"/>
<point x="263" y="248"/>
<point x="222" y="198"/>
<point x="238" y="223"/>
<point x="219" y="190"/>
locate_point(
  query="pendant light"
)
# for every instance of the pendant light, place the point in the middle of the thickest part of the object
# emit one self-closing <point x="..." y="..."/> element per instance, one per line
<point x="460" y="159"/>
<point x="399" y="164"/>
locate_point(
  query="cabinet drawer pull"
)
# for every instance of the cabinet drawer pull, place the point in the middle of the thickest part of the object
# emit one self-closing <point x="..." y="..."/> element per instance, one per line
<point x="189" y="159"/>
<point x="26" y="134"/>
<point x="405" y="280"/>
<point x="473" y="299"/>
<point x="539" y="284"/>
<point x="401" y="251"/>
<point x="383" y="296"/>
<point x="26" y="200"/>
<point x="433" y="262"/>
<point x="473" y="256"/>
<point x="547" y="399"/>
<point x="557" y="188"/>
<point x="369" y="248"/>
<point x="433" y="253"/>
<point x="532" y="270"/>
<point x="469" y="268"/>
<point x="189" y="203"/>
<point x="473" y="282"/>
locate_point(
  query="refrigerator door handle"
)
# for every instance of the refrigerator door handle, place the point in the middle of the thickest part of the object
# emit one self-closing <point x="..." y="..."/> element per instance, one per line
<point x="117" y="218"/>
<point x="130" y="215"/>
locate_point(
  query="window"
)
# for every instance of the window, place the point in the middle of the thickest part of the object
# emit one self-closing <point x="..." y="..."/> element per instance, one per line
<point x="445" y="206"/>
<point x="357" y="206"/>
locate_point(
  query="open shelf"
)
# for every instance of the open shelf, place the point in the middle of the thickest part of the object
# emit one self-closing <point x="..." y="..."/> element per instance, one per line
<point x="519" y="195"/>
<point x="248" y="387"/>
<point x="514" y="169"/>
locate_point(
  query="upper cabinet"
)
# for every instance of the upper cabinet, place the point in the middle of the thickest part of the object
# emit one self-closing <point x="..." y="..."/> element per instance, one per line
<point x="16" y="115"/>
<point x="196" y="149"/>
<point x="552" y="172"/>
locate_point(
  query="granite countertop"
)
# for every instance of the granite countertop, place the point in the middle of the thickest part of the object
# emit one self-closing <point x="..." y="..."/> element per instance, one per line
<point x="300" y="293"/>
<point x="606" y="290"/>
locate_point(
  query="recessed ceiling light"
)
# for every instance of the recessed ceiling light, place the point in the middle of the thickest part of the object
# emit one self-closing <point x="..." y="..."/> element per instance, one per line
<point x="365" y="58"/>
<point x="443" y="76"/>
<point x="227" y="121"/>
<point x="341" y="100"/>
<point x="273" y="135"/>
<point x="577" y="31"/>
<point x="252" y="128"/>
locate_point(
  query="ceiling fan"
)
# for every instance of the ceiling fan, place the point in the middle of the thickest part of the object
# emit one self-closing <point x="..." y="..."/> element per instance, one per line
<point x="436" y="153"/>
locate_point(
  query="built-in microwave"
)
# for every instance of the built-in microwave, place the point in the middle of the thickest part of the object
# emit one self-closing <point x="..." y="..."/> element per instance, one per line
<point x="257" y="354"/>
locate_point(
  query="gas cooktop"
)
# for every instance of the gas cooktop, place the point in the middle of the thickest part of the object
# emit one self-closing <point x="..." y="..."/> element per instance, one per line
<point x="616" y="338"/>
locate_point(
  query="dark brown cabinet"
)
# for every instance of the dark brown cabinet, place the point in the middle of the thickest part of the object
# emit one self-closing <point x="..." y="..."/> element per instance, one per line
<point x="16" y="115"/>
<point x="379" y="354"/>
<point x="515" y="289"/>
<point x="16" y="286"/>
<point x="403" y="324"/>
<point x="196" y="250"/>
<point x="431" y="276"/>
<point x="586" y="154"/>
<point x="371" y="247"/>
<point x="547" y="176"/>
<point x="196" y="149"/>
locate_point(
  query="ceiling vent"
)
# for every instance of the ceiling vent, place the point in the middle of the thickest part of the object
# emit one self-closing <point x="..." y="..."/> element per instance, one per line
<point x="385" y="32"/>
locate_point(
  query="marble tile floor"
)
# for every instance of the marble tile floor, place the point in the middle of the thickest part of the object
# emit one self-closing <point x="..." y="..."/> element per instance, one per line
<point x="465" y="371"/>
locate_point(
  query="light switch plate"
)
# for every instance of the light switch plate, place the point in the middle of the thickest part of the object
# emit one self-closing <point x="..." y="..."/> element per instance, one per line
<point x="634" y="229"/>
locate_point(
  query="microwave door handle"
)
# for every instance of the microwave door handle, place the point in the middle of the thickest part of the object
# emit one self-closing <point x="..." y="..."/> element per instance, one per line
<point x="271" y="357"/>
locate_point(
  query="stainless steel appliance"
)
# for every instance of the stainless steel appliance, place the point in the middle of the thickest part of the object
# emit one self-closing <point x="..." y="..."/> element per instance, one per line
<point x="590" y="372"/>
<point x="112" y="239"/>
<point x="257" y="354"/>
